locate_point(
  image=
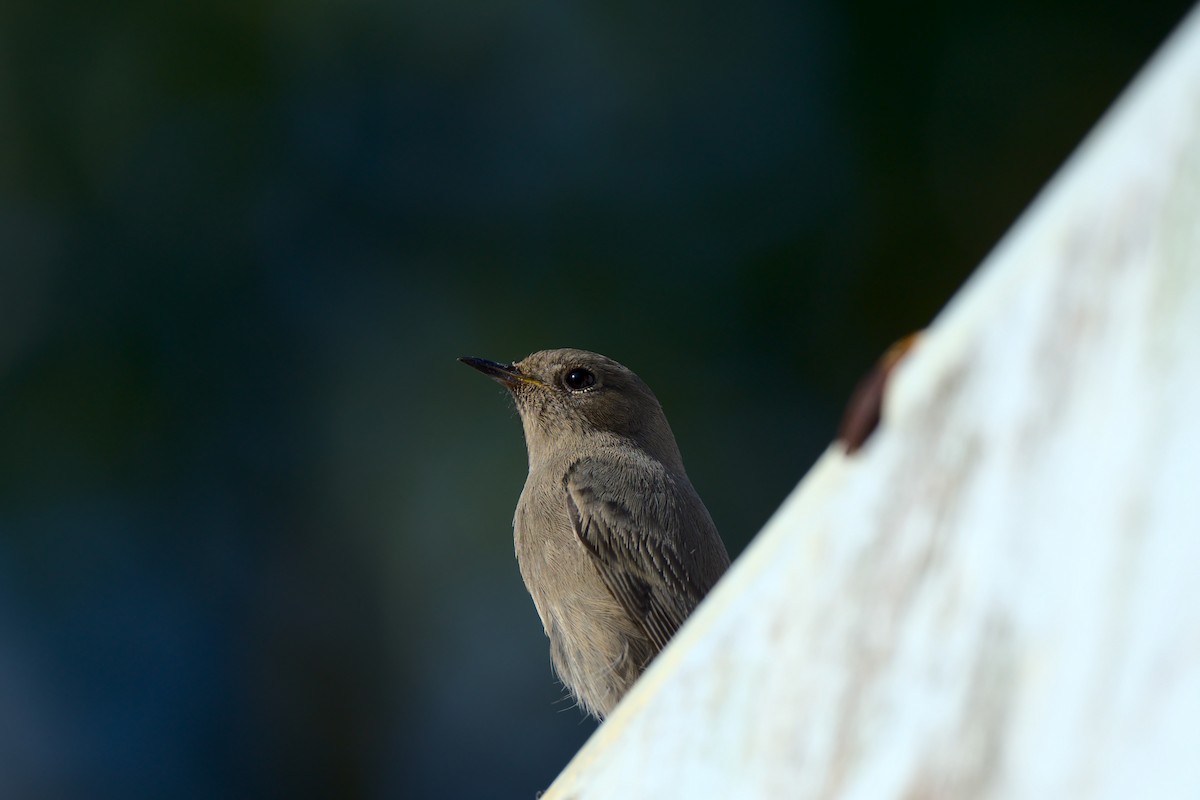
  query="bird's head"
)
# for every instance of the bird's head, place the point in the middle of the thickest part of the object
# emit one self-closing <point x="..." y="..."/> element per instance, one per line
<point x="574" y="398"/>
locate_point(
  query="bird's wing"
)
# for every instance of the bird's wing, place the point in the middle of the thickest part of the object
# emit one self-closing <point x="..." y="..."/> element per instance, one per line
<point x="634" y="536"/>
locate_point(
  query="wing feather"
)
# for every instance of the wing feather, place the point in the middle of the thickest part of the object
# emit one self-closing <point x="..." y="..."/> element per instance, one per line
<point x="637" y="551"/>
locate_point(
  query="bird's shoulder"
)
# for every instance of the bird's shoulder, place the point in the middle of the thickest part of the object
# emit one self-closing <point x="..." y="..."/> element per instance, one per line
<point x="628" y="487"/>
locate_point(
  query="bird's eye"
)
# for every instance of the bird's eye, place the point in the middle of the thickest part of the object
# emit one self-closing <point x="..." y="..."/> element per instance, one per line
<point x="578" y="379"/>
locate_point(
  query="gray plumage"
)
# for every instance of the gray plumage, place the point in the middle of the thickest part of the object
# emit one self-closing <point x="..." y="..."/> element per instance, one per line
<point x="613" y="542"/>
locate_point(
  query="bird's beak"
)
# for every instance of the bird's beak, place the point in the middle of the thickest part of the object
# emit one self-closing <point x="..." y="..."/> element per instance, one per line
<point x="507" y="374"/>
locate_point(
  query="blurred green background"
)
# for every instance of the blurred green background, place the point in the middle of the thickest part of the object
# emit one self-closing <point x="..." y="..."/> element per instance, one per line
<point x="254" y="518"/>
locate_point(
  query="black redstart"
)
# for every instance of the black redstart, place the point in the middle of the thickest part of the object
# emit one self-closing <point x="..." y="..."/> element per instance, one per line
<point x="613" y="542"/>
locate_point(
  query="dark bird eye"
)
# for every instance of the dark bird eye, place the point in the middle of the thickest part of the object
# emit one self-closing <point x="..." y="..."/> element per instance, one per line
<point x="579" y="379"/>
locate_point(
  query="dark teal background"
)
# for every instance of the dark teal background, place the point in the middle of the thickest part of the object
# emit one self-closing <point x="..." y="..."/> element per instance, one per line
<point x="254" y="518"/>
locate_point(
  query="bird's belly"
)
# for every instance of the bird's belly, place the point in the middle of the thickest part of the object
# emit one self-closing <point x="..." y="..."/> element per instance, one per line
<point x="597" y="650"/>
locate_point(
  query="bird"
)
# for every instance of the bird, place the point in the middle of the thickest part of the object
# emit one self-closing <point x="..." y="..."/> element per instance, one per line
<point x="612" y="541"/>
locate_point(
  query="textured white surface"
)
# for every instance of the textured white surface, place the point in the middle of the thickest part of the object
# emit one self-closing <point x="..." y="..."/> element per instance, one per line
<point x="1000" y="595"/>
